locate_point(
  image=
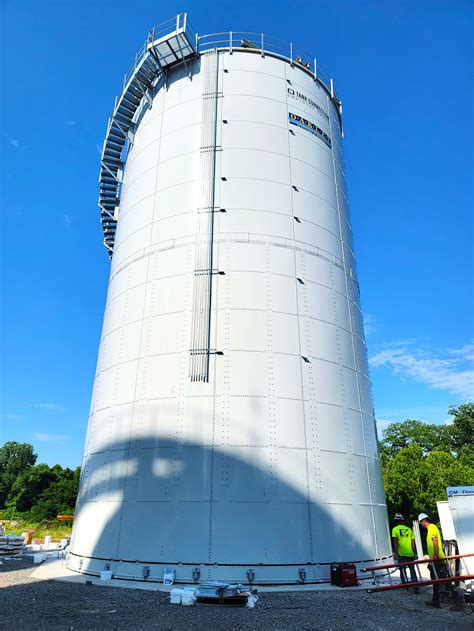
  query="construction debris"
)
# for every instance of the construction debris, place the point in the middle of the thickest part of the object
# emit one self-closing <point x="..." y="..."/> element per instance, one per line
<point x="215" y="593"/>
<point x="11" y="546"/>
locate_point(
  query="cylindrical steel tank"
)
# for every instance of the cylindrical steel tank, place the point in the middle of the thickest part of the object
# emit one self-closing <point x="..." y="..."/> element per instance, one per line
<point x="231" y="432"/>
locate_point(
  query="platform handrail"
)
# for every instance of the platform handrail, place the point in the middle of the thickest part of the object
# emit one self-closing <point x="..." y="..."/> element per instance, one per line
<point x="142" y="75"/>
<point x="273" y="45"/>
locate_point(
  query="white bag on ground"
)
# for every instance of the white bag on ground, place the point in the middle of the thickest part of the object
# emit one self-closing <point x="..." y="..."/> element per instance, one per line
<point x="251" y="601"/>
<point x="176" y="595"/>
<point x="188" y="599"/>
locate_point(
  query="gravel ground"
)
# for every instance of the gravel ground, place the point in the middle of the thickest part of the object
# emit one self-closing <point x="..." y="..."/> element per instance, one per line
<point x="27" y="603"/>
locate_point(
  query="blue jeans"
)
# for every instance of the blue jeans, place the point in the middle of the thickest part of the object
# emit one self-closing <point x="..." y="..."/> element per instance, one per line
<point x="403" y="570"/>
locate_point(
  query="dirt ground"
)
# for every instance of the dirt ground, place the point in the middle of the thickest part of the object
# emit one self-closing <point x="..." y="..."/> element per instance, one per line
<point x="27" y="603"/>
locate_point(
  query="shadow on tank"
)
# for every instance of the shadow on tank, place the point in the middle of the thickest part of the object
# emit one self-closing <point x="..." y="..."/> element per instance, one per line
<point x="151" y="503"/>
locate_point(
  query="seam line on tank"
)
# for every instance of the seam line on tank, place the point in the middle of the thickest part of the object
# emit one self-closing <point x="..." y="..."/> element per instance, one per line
<point x="231" y="120"/>
<point x="133" y="402"/>
<point x="169" y="133"/>
<point x="231" y="178"/>
<point x="168" y="109"/>
<point x="364" y="440"/>
<point x="302" y="391"/>
<point x="222" y="233"/>
<point x="277" y="153"/>
<point x="172" y="245"/>
<point x="243" y="210"/>
<point x="282" y="127"/>
<point x="130" y="181"/>
<point x="233" y="271"/>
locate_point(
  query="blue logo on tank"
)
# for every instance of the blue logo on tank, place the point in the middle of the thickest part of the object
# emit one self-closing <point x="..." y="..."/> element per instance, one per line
<point x="304" y="123"/>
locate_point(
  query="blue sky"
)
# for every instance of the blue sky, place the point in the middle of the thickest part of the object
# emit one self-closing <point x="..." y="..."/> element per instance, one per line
<point x="404" y="71"/>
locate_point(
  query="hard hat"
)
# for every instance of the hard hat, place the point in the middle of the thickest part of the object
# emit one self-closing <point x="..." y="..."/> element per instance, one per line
<point x="399" y="517"/>
<point x="422" y="516"/>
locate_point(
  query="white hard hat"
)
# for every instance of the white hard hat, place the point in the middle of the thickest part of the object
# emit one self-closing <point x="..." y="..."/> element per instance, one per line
<point x="422" y="516"/>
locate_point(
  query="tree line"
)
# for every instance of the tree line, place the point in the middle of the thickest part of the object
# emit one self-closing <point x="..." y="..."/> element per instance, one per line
<point x="35" y="492"/>
<point x="419" y="460"/>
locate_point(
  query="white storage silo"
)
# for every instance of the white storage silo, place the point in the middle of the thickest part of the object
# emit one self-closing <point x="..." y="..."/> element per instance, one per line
<point x="231" y="433"/>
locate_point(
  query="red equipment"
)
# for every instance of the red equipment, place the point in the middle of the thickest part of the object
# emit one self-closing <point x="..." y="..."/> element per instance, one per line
<point x="344" y="575"/>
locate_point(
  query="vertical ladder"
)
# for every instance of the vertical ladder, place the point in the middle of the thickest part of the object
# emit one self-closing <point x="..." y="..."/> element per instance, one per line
<point x="203" y="266"/>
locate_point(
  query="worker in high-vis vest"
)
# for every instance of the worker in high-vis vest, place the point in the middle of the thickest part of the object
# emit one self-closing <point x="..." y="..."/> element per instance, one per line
<point x="434" y="547"/>
<point x="404" y="548"/>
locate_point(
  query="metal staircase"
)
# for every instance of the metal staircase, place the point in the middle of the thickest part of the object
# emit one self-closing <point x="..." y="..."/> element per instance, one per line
<point x="169" y="44"/>
<point x="166" y="45"/>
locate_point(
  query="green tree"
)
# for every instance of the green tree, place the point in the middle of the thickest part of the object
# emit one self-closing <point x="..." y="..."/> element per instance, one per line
<point x="462" y="429"/>
<point x="29" y="486"/>
<point x="59" y="498"/>
<point x="402" y="479"/>
<point x="45" y="492"/>
<point x="15" y="459"/>
<point x="415" y="481"/>
<point x="397" y="436"/>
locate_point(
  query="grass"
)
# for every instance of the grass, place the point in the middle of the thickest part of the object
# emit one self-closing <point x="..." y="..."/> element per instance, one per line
<point x="57" y="529"/>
